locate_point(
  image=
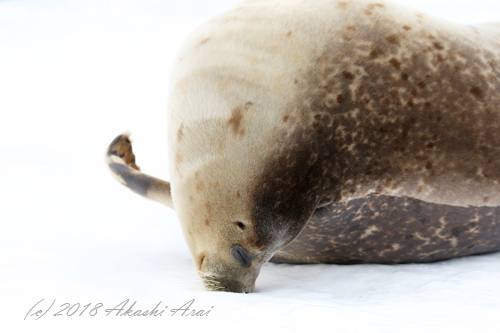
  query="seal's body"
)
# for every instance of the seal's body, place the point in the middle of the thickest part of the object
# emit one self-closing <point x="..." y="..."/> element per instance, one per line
<point x="332" y="112"/>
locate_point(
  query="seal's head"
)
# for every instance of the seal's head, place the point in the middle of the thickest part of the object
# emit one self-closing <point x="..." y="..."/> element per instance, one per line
<point x="219" y="230"/>
<point x="238" y="199"/>
<point x="234" y="218"/>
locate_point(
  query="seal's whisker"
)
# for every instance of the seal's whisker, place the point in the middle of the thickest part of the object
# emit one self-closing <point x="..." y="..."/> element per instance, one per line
<point x="216" y="288"/>
<point x="210" y="279"/>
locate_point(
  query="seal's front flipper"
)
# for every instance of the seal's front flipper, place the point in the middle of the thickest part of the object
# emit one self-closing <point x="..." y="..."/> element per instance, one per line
<point x="121" y="162"/>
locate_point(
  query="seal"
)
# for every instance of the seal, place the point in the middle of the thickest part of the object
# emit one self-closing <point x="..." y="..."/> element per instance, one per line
<point x="329" y="131"/>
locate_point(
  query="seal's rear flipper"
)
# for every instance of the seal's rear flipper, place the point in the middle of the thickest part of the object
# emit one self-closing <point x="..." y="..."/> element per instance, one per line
<point x="121" y="162"/>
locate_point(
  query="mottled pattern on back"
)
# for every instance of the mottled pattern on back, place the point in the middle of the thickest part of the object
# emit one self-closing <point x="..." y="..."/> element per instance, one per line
<point x="395" y="107"/>
<point x="385" y="229"/>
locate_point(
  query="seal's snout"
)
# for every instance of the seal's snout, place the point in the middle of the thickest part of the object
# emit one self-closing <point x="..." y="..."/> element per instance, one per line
<point x="250" y="289"/>
<point x="237" y="287"/>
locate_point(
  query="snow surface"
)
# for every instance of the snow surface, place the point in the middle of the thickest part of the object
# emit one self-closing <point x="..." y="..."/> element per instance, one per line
<point x="73" y="75"/>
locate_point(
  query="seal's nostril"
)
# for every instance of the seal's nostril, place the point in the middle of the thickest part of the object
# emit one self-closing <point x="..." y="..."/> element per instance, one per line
<point x="202" y="259"/>
<point x="241" y="256"/>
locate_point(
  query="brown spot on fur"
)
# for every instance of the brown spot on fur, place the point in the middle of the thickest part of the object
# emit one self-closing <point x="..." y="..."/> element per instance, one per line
<point x="295" y="81"/>
<point x="343" y="4"/>
<point x="180" y="133"/>
<point x="348" y="75"/>
<point x="392" y="39"/>
<point x="191" y="199"/>
<point x="428" y="165"/>
<point x="369" y="9"/>
<point x="207" y="223"/>
<point x="374" y="54"/>
<point x="289" y="33"/>
<point x="404" y="76"/>
<point x="242" y="132"/>
<point x="438" y="46"/>
<point x="238" y="194"/>
<point x="200" y="187"/>
<point x="235" y="120"/>
<point x="349" y="33"/>
<point x="406" y="27"/>
<point x="477" y="92"/>
<point x="204" y="41"/>
<point x="486" y="199"/>
<point x="340" y="98"/>
<point x="285" y="119"/>
<point x="395" y="62"/>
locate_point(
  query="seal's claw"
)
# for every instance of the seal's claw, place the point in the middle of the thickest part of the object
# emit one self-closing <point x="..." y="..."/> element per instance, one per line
<point x="121" y="146"/>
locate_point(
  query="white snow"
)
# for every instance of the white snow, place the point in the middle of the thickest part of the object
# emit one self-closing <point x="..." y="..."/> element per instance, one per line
<point x="73" y="75"/>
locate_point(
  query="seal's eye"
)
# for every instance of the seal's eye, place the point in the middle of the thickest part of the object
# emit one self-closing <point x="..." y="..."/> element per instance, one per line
<point x="241" y="256"/>
<point x="240" y="225"/>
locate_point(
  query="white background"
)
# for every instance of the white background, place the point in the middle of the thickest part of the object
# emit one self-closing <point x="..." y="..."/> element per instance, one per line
<point x="73" y="75"/>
